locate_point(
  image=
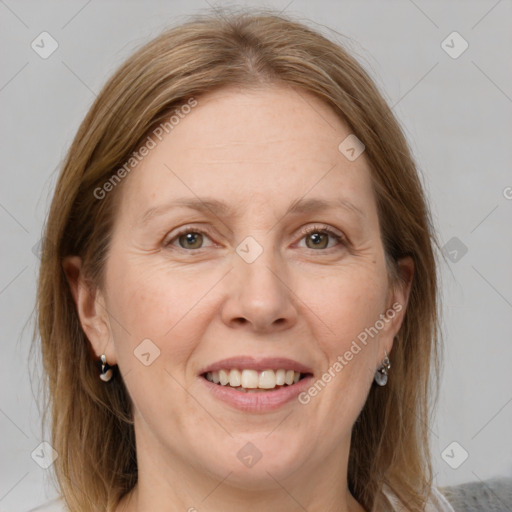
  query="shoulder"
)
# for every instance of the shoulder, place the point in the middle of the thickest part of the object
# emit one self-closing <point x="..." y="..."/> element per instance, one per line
<point x="436" y="503"/>
<point x="56" y="505"/>
<point x="491" y="494"/>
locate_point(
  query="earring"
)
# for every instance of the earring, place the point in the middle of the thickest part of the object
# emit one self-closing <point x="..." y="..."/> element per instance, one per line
<point x="106" y="370"/>
<point x="381" y="374"/>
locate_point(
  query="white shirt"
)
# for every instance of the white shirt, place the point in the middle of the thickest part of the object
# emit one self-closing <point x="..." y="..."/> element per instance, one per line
<point x="437" y="502"/>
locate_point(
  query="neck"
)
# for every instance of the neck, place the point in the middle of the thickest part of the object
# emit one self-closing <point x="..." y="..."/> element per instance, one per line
<point x="177" y="486"/>
<point x="230" y="499"/>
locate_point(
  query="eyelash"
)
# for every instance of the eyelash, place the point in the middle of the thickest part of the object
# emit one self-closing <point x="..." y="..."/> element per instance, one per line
<point x="325" y="230"/>
<point x="322" y="229"/>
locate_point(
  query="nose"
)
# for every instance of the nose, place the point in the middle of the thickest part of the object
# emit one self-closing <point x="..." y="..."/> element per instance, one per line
<point x="260" y="295"/>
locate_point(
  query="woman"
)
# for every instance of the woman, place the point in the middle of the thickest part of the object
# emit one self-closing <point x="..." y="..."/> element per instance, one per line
<point x="240" y="241"/>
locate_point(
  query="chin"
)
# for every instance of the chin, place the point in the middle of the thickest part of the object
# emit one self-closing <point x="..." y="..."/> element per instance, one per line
<point x="258" y="469"/>
<point x="258" y="478"/>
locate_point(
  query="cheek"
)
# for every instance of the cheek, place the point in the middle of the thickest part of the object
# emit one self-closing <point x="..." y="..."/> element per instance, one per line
<point x="346" y="302"/>
<point x="170" y="307"/>
<point x="347" y="305"/>
<point x="154" y="336"/>
<point x="142" y="307"/>
<point x="151" y="298"/>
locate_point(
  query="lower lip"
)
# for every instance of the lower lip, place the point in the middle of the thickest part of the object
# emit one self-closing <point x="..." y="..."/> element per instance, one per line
<point x="257" y="402"/>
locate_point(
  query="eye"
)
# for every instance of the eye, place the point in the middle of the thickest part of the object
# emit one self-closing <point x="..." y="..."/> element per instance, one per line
<point x="188" y="239"/>
<point x="317" y="237"/>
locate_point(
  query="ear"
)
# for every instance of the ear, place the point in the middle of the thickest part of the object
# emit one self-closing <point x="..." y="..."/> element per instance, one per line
<point x="91" y="309"/>
<point x="399" y="298"/>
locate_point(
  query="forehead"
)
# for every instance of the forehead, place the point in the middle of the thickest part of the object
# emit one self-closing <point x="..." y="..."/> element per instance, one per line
<point x="265" y="147"/>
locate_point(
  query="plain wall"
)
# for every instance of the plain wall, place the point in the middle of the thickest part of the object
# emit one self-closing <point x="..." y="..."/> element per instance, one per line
<point x="456" y="112"/>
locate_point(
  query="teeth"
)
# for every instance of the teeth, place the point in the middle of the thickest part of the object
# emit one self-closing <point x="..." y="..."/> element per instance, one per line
<point x="246" y="380"/>
<point x="234" y="378"/>
<point x="223" y="377"/>
<point x="268" y="379"/>
<point x="249" y="379"/>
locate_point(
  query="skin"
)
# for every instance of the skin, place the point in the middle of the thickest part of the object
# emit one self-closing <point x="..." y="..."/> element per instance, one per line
<point x="258" y="151"/>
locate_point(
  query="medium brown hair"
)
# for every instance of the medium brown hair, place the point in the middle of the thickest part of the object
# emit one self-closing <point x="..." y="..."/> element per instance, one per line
<point x="91" y="423"/>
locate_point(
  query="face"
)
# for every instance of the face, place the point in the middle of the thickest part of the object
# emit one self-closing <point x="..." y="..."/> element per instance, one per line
<point x="246" y="234"/>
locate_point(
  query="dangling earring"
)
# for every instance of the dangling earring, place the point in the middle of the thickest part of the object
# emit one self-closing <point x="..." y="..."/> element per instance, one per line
<point x="381" y="374"/>
<point x="106" y="370"/>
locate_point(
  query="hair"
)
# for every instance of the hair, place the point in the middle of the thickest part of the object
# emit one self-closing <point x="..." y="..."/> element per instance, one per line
<point x="91" y="423"/>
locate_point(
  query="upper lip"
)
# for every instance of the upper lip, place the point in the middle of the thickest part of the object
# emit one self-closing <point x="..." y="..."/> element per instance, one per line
<point x="256" y="363"/>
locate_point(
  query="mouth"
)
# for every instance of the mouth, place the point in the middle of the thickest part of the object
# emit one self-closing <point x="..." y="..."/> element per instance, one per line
<point x="256" y="384"/>
<point x="253" y="381"/>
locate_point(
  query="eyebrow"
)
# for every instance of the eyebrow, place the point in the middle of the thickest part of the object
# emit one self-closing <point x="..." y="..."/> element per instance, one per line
<point x="220" y="208"/>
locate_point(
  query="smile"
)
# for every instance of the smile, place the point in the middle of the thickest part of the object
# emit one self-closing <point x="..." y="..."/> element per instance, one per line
<point x="252" y="381"/>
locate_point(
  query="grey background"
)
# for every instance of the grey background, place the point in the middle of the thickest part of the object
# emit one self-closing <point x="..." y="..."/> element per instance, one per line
<point x="457" y="114"/>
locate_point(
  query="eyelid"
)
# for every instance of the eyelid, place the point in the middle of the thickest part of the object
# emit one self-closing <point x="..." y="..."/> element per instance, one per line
<point x="316" y="227"/>
<point x="324" y="228"/>
<point x="182" y="231"/>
